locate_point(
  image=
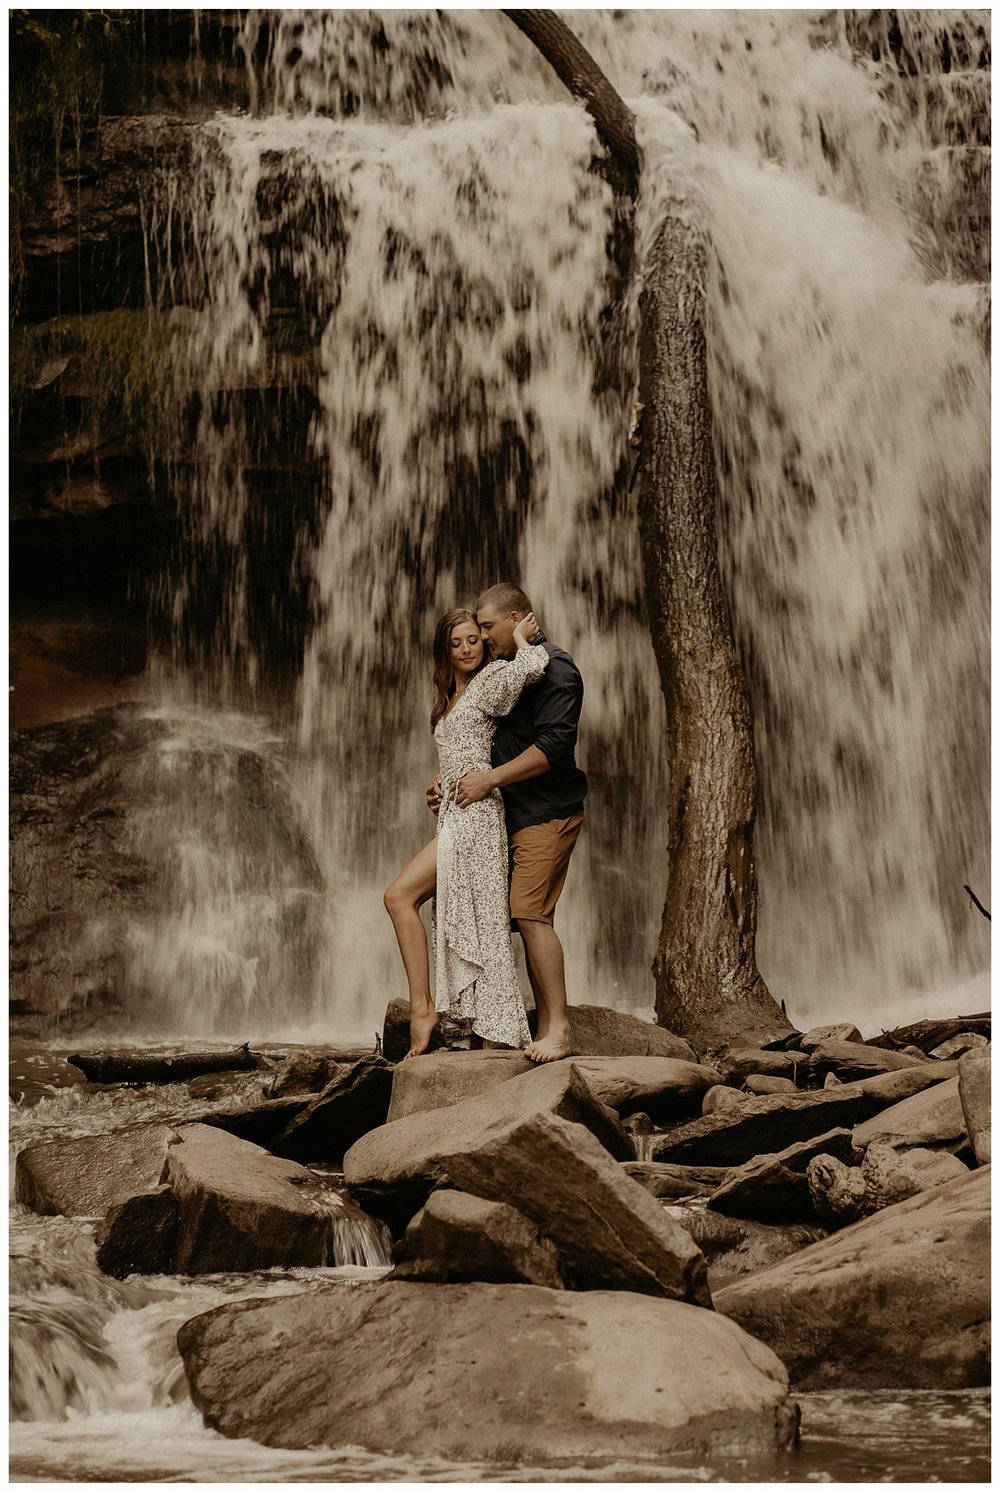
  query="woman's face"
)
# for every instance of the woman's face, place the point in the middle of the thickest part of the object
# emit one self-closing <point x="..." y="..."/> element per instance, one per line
<point x="466" y="647"/>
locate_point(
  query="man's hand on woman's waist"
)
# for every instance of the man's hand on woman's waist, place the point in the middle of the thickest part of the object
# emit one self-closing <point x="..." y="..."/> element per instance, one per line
<point x="475" y="786"/>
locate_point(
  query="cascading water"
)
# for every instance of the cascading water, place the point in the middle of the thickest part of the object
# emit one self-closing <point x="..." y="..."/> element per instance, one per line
<point x="387" y="290"/>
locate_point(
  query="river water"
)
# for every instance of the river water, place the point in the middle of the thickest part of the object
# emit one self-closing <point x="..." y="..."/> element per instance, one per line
<point x="98" y="1389"/>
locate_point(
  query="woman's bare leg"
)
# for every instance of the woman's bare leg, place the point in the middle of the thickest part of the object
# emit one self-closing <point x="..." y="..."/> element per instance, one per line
<point x="414" y="885"/>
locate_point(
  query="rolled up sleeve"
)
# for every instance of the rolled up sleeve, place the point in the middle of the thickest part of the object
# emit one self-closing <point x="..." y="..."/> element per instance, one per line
<point x="557" y="714"/>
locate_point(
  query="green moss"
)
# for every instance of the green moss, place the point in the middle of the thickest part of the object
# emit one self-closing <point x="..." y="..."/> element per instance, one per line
<point x="116" y="359"/>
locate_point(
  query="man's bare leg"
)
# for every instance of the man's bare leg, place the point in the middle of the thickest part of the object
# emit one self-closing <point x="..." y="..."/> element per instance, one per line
<point x="414" y="885"/>
<point x="547" y="972"/>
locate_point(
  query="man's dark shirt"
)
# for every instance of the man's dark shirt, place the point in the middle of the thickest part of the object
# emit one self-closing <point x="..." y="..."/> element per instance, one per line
<point x="547" y="715"/>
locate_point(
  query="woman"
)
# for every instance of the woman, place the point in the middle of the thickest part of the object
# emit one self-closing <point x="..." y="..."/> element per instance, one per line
<point x="465" y="866"/>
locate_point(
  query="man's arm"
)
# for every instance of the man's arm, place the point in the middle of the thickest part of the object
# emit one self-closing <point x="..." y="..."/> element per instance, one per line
<point x="475" y="786"/>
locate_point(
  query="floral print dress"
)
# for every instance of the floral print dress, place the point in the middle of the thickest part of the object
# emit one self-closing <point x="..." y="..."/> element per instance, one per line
<point x="474" y="962"/>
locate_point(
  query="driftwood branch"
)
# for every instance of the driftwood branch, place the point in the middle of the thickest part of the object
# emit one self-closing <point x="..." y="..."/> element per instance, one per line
<point x="574" y="66"/>
<point x="151" y="1067"/>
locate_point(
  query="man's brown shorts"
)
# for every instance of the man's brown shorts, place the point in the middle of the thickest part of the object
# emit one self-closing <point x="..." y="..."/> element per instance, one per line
<point x="539" y="860"/>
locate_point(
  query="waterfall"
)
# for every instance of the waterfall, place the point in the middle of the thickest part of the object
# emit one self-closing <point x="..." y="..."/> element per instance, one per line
<point x="386" y="288"/>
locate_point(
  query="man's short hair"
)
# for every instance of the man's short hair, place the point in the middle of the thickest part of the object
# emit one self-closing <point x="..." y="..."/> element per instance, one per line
<point x="505" y="598"/>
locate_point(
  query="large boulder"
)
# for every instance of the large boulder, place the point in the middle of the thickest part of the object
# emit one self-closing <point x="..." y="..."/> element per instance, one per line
<point x="138" y="1234"/>
<point x="933" y="1117"/>
<point x="887" y="1088"/>
<point x="597" y="1031"/>
<point x="974" y="1095"/>
<point x="456" y="1238"/>
<point x="437" y="1079"/>
<point x="900" y="1300"/>
<point x="240" y="1208"/>
<point x="83" y="1177"/>
<point x="610" y="1232"/>
<point x="759" y="1126"/>
<point x="774" y="1188"/>
<point x="550" y="1377"/>
<point x="355" y="1101"/>
<point x="812" y="1038"/>
<point x="665" y="1088"/>
<point x="851" y="1060"/>
<point x="739" y="1063"/>
<point x="392" y="1169"/>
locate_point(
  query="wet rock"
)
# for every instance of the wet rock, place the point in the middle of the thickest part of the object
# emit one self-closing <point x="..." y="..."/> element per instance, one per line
<point x="974" y="1096"/>
<point x="760" y="1126"/>
<point x="638" y="1124"/>
<point x="843" y="1194"/>
<point x="675" y="1181"/>
<point x="457" y="1238"/>
<point x="737" y="1246"/>
<point x="966" y="1041"/>
<point x="900" y="1300"/>
<point x="307" y="1072"/>
<point x="385" y="1373"/>
<point x="392" y="1170"/>
<point x="240" y="1208"/>
<point x="737" y="1065"/>
<point x="438" y="1079"/>
<point x="137" y="1236"/>
<point x="758" y="1085"/>
<point x="260" y="1123"/>
<point x="721" y="1097"/>
<point x="354" y="1102"/>
<point x="83" y="1177"/>
<point x="816" y="1035"/>
<point x="774" y="1188"/>
<point x="611" y="1234"/>
<point x="933" y="1117"/>
<point x="852" y="1060"/>
<point x="881" y="1092"/>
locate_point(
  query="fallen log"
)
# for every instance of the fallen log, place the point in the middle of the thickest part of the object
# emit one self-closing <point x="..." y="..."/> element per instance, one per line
<point x="928" y="1034"/>
<point x="157" y="1067"/>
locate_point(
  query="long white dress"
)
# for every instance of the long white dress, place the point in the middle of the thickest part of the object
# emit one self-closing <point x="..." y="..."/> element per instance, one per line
<point x="474" y="963"/>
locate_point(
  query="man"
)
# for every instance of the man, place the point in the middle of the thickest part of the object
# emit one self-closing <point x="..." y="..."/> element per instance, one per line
<point x="543" y="791"/>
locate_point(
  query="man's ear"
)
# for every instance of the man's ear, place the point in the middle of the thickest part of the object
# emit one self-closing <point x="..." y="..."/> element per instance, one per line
<point x="516" y="616"/>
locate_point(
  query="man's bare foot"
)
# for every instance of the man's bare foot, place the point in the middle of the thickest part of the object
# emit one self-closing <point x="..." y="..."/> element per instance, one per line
<point x="422" y="1028"/>
<point x="551" y="1048"/>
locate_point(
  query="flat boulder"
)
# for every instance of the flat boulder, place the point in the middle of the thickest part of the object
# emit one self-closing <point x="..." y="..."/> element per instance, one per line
<point x="851" y="1060"/>
<point x="552" y="1376"/>
<point x="355" y="1101"/>
<point x="665" y="1088"/>
<point x="899" y="1300"/>
<point x="438" y="1079"/>
<point x="83" y="1177"/>
<point x="392" y="1170"/>
<point x="759" y="1126"/>
<point x="974" y="1096"/>
<point x="775" y="1188"/>
<point x="816" y="1035"/>
<point x="597" y="1031"/>
<point x="933" y="1117"/>
<point x="457" y="1238"/>
<point x="887" y="1088"/>
<point x="240" y="1208"/>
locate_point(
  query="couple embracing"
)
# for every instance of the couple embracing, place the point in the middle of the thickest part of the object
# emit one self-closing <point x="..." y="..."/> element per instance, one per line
<point x="509" y="804"/>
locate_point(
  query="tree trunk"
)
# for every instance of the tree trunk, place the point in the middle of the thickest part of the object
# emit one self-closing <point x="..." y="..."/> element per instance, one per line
<point x="708" y="988"/>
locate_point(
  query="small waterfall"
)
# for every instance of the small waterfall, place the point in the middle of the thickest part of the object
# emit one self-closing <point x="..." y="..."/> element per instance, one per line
<point x="385" y="289"/>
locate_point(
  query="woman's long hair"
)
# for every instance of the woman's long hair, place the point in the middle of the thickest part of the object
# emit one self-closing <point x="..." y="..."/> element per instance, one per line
<point x="444" y="669"/>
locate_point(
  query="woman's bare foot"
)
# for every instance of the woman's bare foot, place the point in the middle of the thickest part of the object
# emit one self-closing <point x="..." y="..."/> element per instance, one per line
<point x="422" y="1028"/>
<point x="550" y="1048"/>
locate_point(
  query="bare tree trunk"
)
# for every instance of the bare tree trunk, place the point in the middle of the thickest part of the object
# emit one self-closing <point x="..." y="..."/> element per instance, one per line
<point x="708" y="988"/>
